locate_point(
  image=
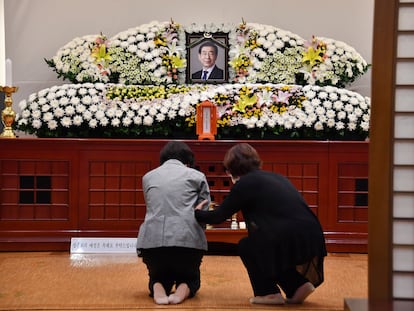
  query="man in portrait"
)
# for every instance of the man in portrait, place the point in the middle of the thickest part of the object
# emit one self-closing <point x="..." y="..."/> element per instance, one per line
<point x="207" y="55"/>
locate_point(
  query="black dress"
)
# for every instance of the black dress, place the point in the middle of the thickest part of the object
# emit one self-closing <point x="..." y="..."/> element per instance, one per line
<point x="282" y="230"/>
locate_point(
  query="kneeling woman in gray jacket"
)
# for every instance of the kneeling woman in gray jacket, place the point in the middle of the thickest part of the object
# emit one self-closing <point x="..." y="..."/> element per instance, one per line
<point x="170" y="241"/>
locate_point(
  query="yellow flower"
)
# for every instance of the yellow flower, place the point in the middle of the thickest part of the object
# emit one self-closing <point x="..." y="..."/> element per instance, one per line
<point x="160" y="41"/>
<point x="244" y="102"/>
<point x="100" y="54"/>
<point x="240" y="61"/>
<point x="312" y="56"/>
<point x="177" y="62"/>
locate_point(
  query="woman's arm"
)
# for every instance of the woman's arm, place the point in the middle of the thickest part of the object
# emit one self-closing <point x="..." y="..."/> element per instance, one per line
<point x="230" y="205"/>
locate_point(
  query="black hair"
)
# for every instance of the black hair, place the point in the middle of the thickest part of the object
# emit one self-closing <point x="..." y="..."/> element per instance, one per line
<point x="177" y="150"/>
<point x="208" y="43"/>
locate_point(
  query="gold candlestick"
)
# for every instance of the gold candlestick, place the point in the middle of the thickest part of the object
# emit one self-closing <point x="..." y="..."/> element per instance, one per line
<point x="8" y="115"/>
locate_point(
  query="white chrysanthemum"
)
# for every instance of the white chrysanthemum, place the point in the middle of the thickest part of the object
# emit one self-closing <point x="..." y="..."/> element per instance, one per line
<point x="26" y="114"/>
<point x="93" y="123"/>
<point x="111" y="112"/>
<point x="126" y="121"/>
<point x="142" y="112"/>
<point x="77" y="120"/>
<point x="45" y="107"/>
<point x="42" y="101"/>
<point x="175" y="105"/>
<point x="87" y="100"/>
<point x="63" y="101"/>
<point x="69" y="110"/>
<point x="87" y="115"/>
<point x="104" y="121"/>
<point x="134" y="106"/>
<point x="318" y="126"/>
<point x="66" y="122"/>
<point x="349" y="108"/>
<point x="59" y="112"/>
<point x="36" y="123"/>
<point x="71" y="92"/>
<point x="36" y="114"/>
<point x="83" y="91"/>
<point x="320" y="111"/>
<point x="115" y="122"/>
<point x="172" y="114"/>
<point x="352" y="117"/>
<point x="118" y="112"/>
<point x="54" y="103"/>
<point x="52" y="125"/>
<point x="152" y="111"/>
<point x="333" y="96"/>
<point x="352" y="126"/>
<point x="341" y="115"/>
<point x="182" y="112"/>
<point x="92" y="91"/>
<point x="48" y="116"/>
<point x="42" y="93"/>
<point x="93" y="108"/>
<point x="137" y="120"/>
<point x="365" y="126"/>
<point x="330" y="123"/>
<point x="100" y="114"/>
<point x="148" y="120"/>
<point x="160" y="117"/>
<point x="330" y="113"/>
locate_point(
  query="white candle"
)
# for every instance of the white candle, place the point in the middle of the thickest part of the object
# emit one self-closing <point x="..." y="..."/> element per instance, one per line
<point x="9" y="73"/>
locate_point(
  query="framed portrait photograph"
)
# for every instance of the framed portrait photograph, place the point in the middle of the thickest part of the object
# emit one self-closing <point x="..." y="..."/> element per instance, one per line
<point x="207" y="58"/>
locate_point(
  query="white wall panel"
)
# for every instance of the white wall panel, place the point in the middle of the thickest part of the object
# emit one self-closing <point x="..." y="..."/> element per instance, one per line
<point x="403" y="179"/>
<point x="404" y="153"/>
<point x="404" y="98"/>
<point x="404" y="126"/>
<point x="403" y="286"/>
<point x="406" y="18"/>
<point x="403" y="232"/>
<point x="403" y="259"/>
<point x="405" y="73"/>
<point x="403" y="205"/>
<point x="405" y="45"/>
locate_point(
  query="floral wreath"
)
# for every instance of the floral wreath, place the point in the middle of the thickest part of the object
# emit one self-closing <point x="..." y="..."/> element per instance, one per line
<point x="155" y="54"/>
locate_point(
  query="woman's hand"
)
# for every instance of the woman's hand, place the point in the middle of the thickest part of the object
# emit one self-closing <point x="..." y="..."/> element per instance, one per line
<point x="201" y="204"/>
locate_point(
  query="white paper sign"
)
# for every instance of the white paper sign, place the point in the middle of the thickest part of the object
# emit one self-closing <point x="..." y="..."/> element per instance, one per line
<point x="103" y="245"/>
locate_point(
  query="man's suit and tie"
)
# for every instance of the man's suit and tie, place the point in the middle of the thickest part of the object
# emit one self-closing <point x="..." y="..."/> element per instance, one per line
<point x="216" y="74"/>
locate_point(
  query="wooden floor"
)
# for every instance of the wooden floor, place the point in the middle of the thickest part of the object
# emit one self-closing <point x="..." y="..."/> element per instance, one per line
<point x="63" y="281"/>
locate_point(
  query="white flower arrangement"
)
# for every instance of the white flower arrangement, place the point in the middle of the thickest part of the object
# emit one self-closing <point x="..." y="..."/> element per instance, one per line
<point x="267" y="111"/>
<point x="155" y="53"/>
<point x="133" y="85"/>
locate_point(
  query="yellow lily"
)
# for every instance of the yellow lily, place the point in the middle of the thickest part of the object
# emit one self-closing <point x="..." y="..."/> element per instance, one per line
<point x="100" y="54"/>
<point x="159" y="41"/>
<point x="244" y="102"/>
<point x="177" y="62"/>
<point x="312" y="56"/>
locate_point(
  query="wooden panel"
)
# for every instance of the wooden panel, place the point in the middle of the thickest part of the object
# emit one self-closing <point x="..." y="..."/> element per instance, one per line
<point x="96" y="187"/>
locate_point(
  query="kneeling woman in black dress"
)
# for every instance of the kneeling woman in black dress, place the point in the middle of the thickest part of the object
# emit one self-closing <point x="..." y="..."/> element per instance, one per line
<point x="285" y="246"/>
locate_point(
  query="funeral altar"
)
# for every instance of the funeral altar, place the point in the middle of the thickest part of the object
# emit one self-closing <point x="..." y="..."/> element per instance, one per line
<point x="122" y="97"/>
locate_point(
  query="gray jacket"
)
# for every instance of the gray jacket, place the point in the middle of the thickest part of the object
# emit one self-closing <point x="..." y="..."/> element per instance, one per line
<point x="171" y="192"/>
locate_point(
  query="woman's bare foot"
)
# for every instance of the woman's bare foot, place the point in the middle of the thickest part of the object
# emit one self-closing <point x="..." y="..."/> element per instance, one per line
<point x="272" y="299"/>
<point x="301" y="293"/>
<point x="160" y="297"/>
<point x="181" y="293"/>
